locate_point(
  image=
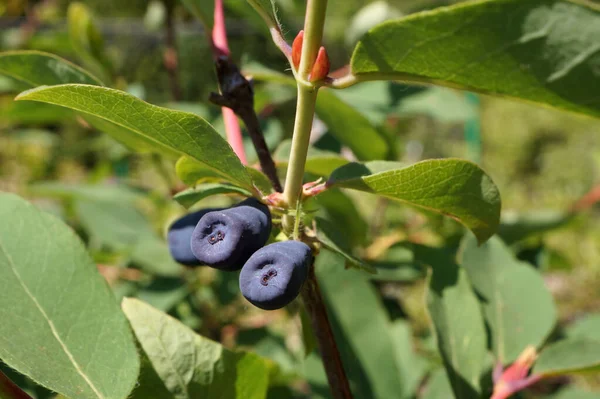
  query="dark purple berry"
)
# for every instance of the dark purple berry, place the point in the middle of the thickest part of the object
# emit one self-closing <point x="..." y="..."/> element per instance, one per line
<point x="226" y="238"/>
<point x="180" y="235"/>
<point x="273" y="276"/>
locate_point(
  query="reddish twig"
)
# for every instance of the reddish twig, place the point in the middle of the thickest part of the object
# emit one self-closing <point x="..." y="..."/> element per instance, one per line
<point x="315" y="307"/>
<point x="10" y="390"/>
<point x="588" y="200"/>
<point x="221" y="49"/>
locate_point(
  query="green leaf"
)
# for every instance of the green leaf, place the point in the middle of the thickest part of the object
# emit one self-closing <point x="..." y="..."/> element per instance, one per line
<point x="517" y="306"/>
<point x="350" y="127"/>
<point x="452" y="187"/>
<point x="64" y="329"/>
<point x="538" y="51"/>
<point x="346" y="123"/>
<point x="586" y="327"/>
<point x="516" y="227"/>
<point x="191" y="196"/>
<point x="438" y="386"/>
<point x="318" y="162"/>
<point x="152" y="254"/>
<point x="356" y="305"/>
<point x="190" y="365"/>
<point x="267" y="11"/>
<point x="411" y="367"/>
<point x="176" y="131"/>
<point x="398" y="264"/>
<point x="86" y="39"/>
<point x="459" y="326"/>
<point x="573" y="393"/>
<point x="115" y="193"/>
<point x="203" y="10"/>
<point x="35" y="68"/>
<point x="192" y="172"/>
<point x="568" y="356"/>
<point x="340" y="209"/>
<point x="335" y="240"/>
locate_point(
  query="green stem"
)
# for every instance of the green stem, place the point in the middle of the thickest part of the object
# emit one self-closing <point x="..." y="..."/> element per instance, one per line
<point x="305" y="111"/>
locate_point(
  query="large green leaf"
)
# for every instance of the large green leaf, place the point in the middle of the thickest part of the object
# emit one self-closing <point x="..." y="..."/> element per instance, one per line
<point x="35" y="68"/>
<point x="536" y="50"/>
<point x="517" y="306"/>
<point x="350" y="127"/>
<point x="60" y="323"/>
<point x="176" y="131"/>
<point x="190" y="365"/>
<point x="568" y="356"/>
<point x="452" y="187"/>
<point x="458" y="324"/>
<point x="363" y="321"/>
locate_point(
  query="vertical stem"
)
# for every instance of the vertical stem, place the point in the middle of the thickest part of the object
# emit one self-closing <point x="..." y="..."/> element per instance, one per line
<point x="315" y="307"/>
<point x="305" y="110"/>
<point x="313" y="35"/>
<point x="10" y="390"/>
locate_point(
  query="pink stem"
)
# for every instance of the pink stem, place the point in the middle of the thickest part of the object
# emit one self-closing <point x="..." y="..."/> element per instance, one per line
<point x="221" y="49"/>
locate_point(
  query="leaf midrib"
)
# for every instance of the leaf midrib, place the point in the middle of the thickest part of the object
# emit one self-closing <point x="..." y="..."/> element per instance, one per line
<point x="47" y="319"/>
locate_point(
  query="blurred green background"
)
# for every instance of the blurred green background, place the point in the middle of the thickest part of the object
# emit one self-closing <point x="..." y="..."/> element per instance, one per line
<point x="544" y="162"/>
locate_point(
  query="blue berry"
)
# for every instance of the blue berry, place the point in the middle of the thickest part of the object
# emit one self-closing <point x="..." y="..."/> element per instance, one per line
<point x="180" y="235"/>
<point x="226" y="238"/>
<point x="274" y="275"/>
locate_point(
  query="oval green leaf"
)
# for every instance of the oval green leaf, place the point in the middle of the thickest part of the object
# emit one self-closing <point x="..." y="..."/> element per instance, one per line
<point x="192" y="366"/>
<point x="175" y="131"/>
<point x="458" y="324"/>
<point x="517" y="306"/>
<point x="453" y="187"/>
<point x="35" y="68"/>
<point x="538" y="50"/>
<point x="60" y="322"/>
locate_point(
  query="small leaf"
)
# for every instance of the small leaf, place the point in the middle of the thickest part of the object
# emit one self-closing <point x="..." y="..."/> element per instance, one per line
<point x="517" y="306"/>
<point x="458" y="324"/>
<point x="568" y="356"/>
<point x="65" y="330"/>
<point x="350" y="127"/>
<point x="334" y="240"/>
<point x="190" y="365"/>
<point x="35" y="68"/>
<point x="452" y="187"/>
<point x="516" y="227"/>
<point x="177" y="131"/>
<point x="318" y="162"/>
<point x="541" y="56"/>
<point x="203" y="10"/>
<point x="191" y="196"/>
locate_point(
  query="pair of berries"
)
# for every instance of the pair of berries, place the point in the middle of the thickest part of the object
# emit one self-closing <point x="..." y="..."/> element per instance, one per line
<point x="226" y="239"/>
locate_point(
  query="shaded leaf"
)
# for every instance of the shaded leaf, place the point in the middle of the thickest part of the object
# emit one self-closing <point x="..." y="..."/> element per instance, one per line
<point x="411" y="367"/>
<point x="203" y="10"/>
<point x="515" y="227"/>
<point x="542" y="55"/>
<point x="115" y="193"/>
<point x="72" y="337"/>
<point x="568" y="356"/>
<point x="191" y="196"/>
<point x="177" y="131"/>
<point x="334" y="239"/>
<point x="350" y="127"/>
<point x="318" y="162"/>
<point x="438" y="386"/>
<point x="363" y="320"/>
<point x="517" y="306"/>
<point x="458" y="325"/>
<point x="586" y="327"/>
<point x="190" y="365"/>
<point x="452" y="187"/>
<point x="340" y="209"/>
<point x="36" y="68"/>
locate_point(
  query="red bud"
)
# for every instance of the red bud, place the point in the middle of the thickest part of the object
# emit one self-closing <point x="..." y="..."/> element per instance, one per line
<point x="297" y="49"/>
<point x="321" y="67"/>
